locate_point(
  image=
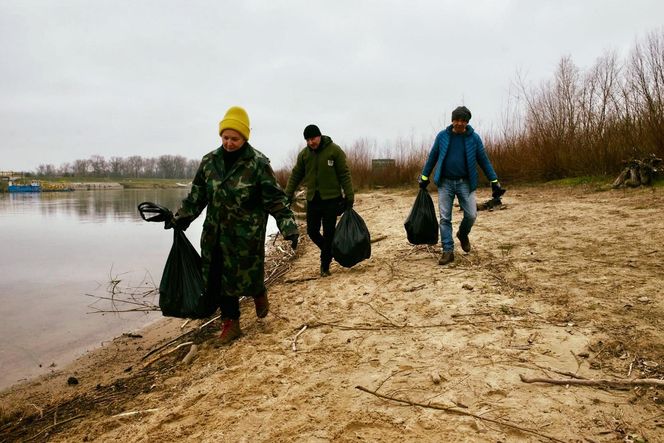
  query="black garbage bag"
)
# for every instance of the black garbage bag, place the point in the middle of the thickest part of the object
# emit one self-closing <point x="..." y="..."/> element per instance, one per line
<point x="181" y="291"/>
<point x="352" y="241"/>
<point x="422" y="224"/>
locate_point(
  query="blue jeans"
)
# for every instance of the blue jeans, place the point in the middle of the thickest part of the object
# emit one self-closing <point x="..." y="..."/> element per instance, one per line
<point x="446" y="193"/>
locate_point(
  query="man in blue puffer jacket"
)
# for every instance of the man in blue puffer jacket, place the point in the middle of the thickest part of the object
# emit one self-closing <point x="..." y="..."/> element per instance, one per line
<point x="456" y="152"/>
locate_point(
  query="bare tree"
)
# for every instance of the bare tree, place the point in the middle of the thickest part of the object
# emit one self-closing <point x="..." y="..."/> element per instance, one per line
<point x="135" y="166"/>
<point x="80" y="167"/>
<point x="98" y="165"/>
<point x="65" y="169"/>
<point x="647" y="80"/>
<point x="115" y="166"/>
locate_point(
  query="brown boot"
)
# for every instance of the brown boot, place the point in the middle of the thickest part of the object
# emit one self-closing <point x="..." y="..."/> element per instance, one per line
<point x="465" y="242"/>
<point x="447" y="257"/>
<point x="262" y="305"/>
<point x="230" y="330"/>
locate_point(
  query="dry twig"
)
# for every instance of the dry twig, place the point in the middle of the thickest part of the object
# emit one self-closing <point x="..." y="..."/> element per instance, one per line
<point x="294" y="345"/>
<point x="132" y="413"/>
<point x="382" y="315"/>
<point x="46" y="429"/>
<point x="170" y="351"/>
<point x="459" y="412"/>
<point x="190" y="355"/>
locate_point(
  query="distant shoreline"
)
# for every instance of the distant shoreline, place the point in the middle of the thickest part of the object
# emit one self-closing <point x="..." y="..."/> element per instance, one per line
<point x="88" y="183"/>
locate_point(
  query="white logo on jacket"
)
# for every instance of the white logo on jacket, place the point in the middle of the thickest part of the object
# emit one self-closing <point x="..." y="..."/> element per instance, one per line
<point x="330" y="162"/>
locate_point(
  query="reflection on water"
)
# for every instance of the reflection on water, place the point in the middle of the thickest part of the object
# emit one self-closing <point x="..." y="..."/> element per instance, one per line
<point x="58" y="247"/>
<point x="92" y="206"/>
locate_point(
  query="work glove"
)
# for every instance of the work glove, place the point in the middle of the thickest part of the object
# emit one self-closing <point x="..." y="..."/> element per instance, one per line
<point x="424" y="182"/>
<point x="496" y="190"/>
<point x="342" y="205"/>
<point x="349" y="202"/>
<point x="293" y="238"/>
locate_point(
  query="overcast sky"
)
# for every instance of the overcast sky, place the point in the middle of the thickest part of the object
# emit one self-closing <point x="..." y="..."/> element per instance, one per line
<point x="121" y="78"/>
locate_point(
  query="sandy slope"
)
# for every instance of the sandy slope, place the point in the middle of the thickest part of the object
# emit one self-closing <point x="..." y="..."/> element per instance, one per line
<point x="562" y="281"/>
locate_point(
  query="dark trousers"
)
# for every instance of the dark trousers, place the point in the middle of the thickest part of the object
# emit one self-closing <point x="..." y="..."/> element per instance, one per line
<point x="322" y="212"/>
<point x="229" y="305"/>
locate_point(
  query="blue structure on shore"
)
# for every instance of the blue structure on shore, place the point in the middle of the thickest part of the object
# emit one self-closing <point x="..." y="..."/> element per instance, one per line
<point x="32" y="187"/>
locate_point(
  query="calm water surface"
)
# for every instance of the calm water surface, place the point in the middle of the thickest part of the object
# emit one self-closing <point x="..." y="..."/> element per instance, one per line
<point x="58" y="247"/>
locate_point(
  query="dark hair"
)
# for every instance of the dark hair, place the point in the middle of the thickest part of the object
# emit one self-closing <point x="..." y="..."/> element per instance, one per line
<point x="461" y="113"/>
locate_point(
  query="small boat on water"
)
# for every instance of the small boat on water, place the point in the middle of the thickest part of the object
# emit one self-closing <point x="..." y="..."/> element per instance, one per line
<point x="34" y="186"/>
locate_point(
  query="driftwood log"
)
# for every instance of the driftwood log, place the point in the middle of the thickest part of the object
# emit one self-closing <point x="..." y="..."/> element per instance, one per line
<point x="601" y="382"/>
<point x="638" y="172"/>
<point x="457" y="411"/>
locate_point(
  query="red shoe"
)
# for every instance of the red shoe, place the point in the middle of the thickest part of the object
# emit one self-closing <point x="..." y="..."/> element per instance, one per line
<point x="262" y="305"/>
<point x="230" y="330"/>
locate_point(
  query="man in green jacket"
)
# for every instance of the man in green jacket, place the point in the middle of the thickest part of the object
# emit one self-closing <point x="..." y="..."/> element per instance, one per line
<point x="323" y="169"/>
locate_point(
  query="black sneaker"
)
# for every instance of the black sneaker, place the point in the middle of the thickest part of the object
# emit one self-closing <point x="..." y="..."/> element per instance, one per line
<point x="465" y="242"/>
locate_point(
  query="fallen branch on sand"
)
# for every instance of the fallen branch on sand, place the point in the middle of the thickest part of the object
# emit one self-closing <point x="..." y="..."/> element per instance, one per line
<point x="170" y="351"/>
<point x="567" y="373"/>
<point x="600" y="382"/>
<point x="384" y="326"/>
<point x="179" y="337"/>
<point x="190" y="355"/>
<point x="301" y="279"/>
<point x="132" y="413"/>
<point x="458" y="412"/>
<point x="46" y="429"/>
<point x="382" y="315"/>
<point x="294" y="345"/>
<point x="415" y="288"/>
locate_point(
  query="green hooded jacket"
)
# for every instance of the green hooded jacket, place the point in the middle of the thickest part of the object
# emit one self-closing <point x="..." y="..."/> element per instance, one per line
<point x="324" y="170"/>
<point x="238" y="202"/>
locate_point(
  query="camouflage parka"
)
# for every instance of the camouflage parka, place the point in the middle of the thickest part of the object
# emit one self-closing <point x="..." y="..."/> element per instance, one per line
<point x="238" y="203"/>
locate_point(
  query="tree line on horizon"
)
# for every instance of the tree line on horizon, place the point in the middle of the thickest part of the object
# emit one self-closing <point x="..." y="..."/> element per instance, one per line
<point x="578" y="123"/>
<point x="135" y="166"/>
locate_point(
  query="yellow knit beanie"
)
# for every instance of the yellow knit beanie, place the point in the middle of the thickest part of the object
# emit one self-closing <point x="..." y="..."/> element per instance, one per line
<point x="236" y="118"/>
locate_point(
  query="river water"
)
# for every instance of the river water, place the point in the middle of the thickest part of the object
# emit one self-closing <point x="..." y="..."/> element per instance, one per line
<point x="59" y="254"/>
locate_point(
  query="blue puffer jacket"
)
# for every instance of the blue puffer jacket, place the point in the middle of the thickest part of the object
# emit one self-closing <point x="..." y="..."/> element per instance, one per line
<point x="475" y="154"/>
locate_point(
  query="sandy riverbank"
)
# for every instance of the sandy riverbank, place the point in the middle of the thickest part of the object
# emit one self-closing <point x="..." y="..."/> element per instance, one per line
<point x="563" y="281"/>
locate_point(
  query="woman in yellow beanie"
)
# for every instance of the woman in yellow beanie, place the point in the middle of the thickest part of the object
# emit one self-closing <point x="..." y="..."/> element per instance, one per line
<point x="237" y="185"/>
